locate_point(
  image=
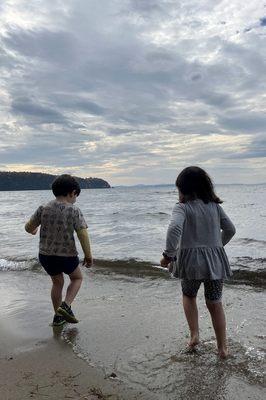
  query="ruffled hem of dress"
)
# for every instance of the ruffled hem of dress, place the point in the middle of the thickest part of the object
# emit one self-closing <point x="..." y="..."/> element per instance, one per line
<point x="202" y="263"/>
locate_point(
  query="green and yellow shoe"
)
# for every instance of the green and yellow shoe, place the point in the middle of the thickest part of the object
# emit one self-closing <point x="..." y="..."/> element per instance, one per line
<point x="58" y="320"/>
<point x="65" y="311"/>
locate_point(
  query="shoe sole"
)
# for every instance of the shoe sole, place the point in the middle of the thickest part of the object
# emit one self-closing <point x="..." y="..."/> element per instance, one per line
<point x="68" y="317"/>
<point x="61" y="323"/>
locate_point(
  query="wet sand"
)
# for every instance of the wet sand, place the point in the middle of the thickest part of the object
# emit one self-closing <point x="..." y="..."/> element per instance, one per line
<point x="131" y="326"/>
<point x="51" y="371"/>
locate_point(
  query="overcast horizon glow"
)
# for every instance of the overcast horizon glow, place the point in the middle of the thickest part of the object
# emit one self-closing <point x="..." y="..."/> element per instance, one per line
<point x="133" y="91"/>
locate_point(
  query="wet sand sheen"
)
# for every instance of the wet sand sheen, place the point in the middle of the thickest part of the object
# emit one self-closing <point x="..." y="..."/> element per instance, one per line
<point x="132" y="327"/>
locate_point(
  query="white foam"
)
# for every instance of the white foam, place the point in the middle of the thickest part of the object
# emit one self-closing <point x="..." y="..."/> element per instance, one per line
<point x="161" y="268"/>
<point x="9" y="265"/>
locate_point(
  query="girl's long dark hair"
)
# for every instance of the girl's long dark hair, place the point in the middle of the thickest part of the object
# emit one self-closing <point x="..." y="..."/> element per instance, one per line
<point x="194" y="183"/>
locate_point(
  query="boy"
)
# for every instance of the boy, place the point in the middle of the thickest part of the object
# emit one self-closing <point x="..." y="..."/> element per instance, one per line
<point x="57" y="250"/>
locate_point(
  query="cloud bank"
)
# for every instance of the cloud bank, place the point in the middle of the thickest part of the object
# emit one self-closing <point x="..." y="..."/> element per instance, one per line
<point x="133" y="91"/>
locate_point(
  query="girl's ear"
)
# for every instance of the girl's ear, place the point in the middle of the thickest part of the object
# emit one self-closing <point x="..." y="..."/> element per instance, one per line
<point x="181" y="198"/>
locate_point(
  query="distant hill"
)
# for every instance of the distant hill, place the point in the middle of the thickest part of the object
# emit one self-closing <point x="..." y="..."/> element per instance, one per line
<point x="40" y="181"/>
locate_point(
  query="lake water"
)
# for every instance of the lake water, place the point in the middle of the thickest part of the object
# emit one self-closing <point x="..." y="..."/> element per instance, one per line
<point x="132" y="321"/>
<point x="131" y="223"/>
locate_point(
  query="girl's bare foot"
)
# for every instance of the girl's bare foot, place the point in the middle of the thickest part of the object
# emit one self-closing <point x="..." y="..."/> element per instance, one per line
<point x="194" y="341"/>
<point x="223" y="353"/>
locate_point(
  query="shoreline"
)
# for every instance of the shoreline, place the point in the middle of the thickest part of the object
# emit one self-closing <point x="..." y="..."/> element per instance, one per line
<point x="50" y="369"/>
<point x="37" y="361"/>
<point x="131" y="327"/>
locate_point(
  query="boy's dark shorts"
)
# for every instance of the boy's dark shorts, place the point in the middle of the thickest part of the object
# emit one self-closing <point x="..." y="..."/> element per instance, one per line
<point x="55" y="265"/>
<point x="213" y="289"/>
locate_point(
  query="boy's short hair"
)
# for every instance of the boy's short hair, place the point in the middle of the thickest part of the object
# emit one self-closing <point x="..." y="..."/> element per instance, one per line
<point x="65" y="184"/>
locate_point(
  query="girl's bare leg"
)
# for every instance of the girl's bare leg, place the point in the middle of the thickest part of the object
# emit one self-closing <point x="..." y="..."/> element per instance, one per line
<point x="191" y="312"/>
<point x="56" y="291"/>
<point x="219" y="324"/>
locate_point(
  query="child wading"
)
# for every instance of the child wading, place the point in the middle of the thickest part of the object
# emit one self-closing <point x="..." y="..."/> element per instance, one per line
<point x="57" y="250"/>
<point x="198" y="231"/>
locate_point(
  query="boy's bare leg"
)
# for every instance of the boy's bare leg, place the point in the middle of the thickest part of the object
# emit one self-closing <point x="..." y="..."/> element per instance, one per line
<point x="191" y="312"/>
<point x="56" y="291"/>
<point x="73" y="288"/>
<point x="219" y="324"/>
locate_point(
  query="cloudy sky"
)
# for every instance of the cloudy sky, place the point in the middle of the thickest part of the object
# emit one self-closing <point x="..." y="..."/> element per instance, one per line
<point x="132" y="91"/>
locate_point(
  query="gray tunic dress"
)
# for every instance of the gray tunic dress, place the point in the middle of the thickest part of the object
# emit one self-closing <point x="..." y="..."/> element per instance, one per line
<point x="196" y="235"/>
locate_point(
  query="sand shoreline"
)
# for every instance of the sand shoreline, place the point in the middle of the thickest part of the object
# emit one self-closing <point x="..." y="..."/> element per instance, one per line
<point x="131" y="327"/>
<point x="51" y="370"/>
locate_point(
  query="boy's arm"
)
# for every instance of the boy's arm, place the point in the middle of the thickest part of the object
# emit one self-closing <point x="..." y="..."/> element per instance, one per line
<point x="83" y="237"/>
<point x="31" y="227"/>
<point x="35" y="220"/>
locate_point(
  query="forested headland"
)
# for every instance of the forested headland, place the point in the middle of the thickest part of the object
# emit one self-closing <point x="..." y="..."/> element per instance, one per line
<point x="42" y="181"/>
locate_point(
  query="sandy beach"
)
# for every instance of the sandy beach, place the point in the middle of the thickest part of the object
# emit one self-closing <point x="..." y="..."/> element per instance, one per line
<point x="48" y="369"/>
<point x="52" y="371"/>
<point x="133" y="328"/>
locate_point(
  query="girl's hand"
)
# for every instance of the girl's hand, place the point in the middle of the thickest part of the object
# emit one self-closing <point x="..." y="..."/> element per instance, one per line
<point x="87" y="262"/>
<point x="164" y="262"/>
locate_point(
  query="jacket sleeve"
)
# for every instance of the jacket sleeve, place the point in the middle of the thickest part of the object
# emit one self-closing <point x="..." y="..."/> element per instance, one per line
<point x="227" y="227"/>
<point x="174" y="230"/>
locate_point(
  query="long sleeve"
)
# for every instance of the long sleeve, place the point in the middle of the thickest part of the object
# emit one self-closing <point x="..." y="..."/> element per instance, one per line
<point x="175" y="230"/>
<point x="227" y="226"/>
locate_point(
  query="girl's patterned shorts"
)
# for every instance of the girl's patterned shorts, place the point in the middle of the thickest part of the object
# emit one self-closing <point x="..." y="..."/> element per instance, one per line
<point x="212" y="289"/>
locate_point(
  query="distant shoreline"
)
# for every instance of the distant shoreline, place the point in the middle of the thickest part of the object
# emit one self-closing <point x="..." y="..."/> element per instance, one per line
<point x="19" y="181"/>
<point x="173" y="185"/>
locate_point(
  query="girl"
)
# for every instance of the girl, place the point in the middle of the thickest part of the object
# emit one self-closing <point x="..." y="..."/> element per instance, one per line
<point x="199" y="228"/>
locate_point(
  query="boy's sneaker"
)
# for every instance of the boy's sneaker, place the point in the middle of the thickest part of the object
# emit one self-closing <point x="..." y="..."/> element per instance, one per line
<point x="58" y="320"/>
<point x="65" y="311"/>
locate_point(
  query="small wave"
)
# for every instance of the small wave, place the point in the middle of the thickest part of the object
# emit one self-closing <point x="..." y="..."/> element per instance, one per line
<point x="249" y="271"/>
<point x="249" y="263"/>
<point x="132" y="267"/>
<point x="250" y="241"/>
<point x="247" y="277"/>
<point x="31" y="264"/>
<point x="156" y="213"/>
<point x="128" y="266"/>
<point x="246" y="270"/>
<point x="149" y="214"/>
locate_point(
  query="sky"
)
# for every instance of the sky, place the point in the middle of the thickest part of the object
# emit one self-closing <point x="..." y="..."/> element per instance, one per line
<point x="133" y="91"/>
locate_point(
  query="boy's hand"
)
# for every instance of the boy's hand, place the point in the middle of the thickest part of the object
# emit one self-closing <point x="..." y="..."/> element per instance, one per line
<point x="164" y="262"/>
<point x="87" y="262"/>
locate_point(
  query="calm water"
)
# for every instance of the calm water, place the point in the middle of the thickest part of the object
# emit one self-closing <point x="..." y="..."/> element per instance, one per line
<point x="130" y="323"/>
<point x="131" y="223"/>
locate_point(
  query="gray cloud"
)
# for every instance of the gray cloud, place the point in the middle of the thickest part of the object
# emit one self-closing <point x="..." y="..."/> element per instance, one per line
<point x="256" y="149"/>
<point x="88" y="81"/>
<point x="246" y="122"/>
<point x="78" y="103"/>
<point x="53" y="46"/>
<point x="36" y="112"/>
<point x="263" y="21"/>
